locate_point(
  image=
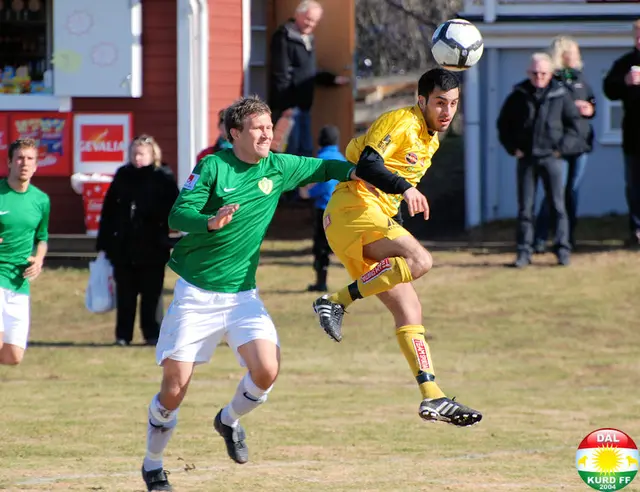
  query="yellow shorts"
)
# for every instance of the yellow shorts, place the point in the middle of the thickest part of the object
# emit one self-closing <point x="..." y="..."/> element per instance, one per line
<point x="351" y="223"/>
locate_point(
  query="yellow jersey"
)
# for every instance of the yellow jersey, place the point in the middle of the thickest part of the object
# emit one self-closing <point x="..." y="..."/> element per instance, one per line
<point x="402" y="139"/>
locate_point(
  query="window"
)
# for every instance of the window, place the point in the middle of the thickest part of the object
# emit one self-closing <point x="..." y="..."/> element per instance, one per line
<point x="256" y="72"/>
<point x="611" y="123"/>
<point x="59" y="49"/>
<point x="25" y="47"/>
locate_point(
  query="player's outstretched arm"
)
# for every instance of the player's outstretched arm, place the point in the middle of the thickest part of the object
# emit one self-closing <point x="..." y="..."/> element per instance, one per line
<point x="300" y="171"/>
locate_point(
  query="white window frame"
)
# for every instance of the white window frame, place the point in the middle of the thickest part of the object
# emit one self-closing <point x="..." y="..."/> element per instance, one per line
<point x="251" y="63"/>
<point x="609" y="135"/>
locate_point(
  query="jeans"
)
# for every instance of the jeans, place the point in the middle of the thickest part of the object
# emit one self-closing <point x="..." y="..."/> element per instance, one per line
<point x="551" y="171"/>
<point x="632" y="192"/>
<point x="301" y="139"/>
<point x="576" y="166"/>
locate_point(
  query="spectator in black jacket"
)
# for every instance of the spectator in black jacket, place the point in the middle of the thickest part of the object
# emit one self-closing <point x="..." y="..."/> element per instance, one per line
<point x="538" y="124"/>
<point x="294" y="74"/>
<point x="623" y="83"/>
<point x="567" y="62"/>
<point x="134" y="234"/>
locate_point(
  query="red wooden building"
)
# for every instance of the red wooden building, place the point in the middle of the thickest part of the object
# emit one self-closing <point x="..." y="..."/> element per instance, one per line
<point x="170" y="64"/>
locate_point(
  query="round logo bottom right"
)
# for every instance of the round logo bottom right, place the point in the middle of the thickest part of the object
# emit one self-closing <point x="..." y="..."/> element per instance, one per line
<point x="607" y="459"/>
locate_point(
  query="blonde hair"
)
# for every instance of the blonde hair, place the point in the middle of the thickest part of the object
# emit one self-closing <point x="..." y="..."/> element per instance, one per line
<point x="155" y="148"/>
<point x="559" y="46"/>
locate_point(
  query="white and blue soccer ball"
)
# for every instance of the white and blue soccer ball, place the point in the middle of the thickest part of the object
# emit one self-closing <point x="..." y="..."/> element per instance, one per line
<point x="457" y="45"/>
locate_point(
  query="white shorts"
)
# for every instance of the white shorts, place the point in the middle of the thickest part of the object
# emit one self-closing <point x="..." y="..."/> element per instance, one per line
<point x="198" y="319"/>
<point x="14" y="319"/>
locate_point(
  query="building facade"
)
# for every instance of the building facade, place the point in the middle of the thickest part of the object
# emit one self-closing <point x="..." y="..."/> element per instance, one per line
<point x="512" y="31"/>
<point x="70" y="68"/>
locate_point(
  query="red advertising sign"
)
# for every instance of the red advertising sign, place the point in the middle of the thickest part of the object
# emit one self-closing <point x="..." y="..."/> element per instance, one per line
<point x="4" y="143"/>
<point x="52" y="132"/>
<point x="101" y="141"/>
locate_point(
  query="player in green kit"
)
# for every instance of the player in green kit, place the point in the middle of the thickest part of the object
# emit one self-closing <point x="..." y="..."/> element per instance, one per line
<point x="225" y="207"/>
<point x="24" y="222"/>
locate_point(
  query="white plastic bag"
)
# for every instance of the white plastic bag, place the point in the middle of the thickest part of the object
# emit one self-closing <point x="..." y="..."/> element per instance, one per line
<point x="100" y="295"/>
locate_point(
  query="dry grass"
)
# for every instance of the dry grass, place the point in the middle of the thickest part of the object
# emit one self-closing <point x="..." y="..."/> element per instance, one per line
<point x="548" y="354"/>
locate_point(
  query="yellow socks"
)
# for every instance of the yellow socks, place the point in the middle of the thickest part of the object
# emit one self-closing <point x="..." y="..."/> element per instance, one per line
<point x="383" y="277"/>
<point x="416" y="351"/>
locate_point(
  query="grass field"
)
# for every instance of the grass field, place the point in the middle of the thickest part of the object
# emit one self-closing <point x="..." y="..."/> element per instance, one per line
<point x="548" y="354"/>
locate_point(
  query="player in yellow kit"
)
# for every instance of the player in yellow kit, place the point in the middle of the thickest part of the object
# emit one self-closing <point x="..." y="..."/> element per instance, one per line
<point x="364" y="229"/>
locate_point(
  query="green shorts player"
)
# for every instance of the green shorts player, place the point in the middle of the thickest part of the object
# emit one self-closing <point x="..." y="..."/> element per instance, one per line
<point x="225" y="207"/>
<point x="24" y="222"/>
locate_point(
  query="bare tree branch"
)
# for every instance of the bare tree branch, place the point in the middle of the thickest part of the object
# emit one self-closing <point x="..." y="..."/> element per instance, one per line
<point x="394" y="36"/>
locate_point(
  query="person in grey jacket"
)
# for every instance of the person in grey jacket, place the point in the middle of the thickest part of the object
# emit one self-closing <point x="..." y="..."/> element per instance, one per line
<point x="565" y="54"/>
<point x="539" y="124"/>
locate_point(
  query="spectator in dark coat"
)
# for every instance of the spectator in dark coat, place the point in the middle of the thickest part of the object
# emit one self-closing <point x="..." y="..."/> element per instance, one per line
<point x="134" y="234"/>
<point x="539" y="124"/>
<point x="565" y="55"/>
<point x="622" y="83"/>
<point x="294" y="74"/>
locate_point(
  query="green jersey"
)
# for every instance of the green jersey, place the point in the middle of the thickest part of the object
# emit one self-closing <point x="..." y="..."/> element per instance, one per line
<point x="225" y="260"/>
<point x="24" y="221"/>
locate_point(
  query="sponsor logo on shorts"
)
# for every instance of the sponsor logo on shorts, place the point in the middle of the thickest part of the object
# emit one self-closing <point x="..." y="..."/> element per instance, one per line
<point x="411" y="158"/>
<point x="377" y="270"/>
<point x="191" y="181"/>
<point x="421" y="353"/>
<point x="326" y="222"/>
<point x="392" y="224"/>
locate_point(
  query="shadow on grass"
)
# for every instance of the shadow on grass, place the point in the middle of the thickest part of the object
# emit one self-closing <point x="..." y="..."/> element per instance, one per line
<point x="64" y="344"/>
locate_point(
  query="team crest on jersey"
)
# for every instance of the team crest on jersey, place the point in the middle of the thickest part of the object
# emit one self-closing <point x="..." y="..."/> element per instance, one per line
<point x="265" y="185"/>
<point x="376" y="271"/>
<point x="384" y="143"/>
<point x="191" y="181"/>
<point x="411" y="158"/>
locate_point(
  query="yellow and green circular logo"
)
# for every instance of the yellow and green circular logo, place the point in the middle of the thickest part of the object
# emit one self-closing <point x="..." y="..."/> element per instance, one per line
<point x="607" y="459"/>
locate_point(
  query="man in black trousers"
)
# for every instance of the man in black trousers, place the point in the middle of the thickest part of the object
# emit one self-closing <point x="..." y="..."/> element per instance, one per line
<point x="538" y="124"/>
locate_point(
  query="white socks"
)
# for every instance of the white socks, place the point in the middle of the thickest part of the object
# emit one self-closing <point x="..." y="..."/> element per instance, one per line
<point x="248" y="396"/>
<point x="159" y="431"/>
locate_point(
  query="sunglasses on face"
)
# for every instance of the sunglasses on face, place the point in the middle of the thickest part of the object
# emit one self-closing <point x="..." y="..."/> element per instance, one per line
<point x="143" y="140"/>
<point x="539" y="74"/>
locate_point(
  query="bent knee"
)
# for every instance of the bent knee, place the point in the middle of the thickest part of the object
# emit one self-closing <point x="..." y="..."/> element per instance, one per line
<point x="265" y="376"/>
<point x="420" y="263"/>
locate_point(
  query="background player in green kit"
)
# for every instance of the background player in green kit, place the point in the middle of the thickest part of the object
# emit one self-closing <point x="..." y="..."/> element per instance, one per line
<point x="225" y="207"/>
<point x="24" y="222"/>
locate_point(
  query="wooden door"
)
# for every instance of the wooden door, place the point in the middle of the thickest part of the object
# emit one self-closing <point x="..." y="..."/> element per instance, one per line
<point x="335" y="45"/>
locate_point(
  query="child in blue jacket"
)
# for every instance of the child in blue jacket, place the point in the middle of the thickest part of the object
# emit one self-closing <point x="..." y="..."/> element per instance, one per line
<point x="328" y="141"/>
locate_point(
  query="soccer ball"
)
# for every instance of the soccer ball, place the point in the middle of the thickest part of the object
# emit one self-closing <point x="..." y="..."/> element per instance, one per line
<point x="457" y="45"/>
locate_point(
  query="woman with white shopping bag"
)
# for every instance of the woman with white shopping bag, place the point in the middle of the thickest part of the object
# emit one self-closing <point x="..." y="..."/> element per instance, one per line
<point x="134" y="235"/>
<point x="100" y="296"/>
